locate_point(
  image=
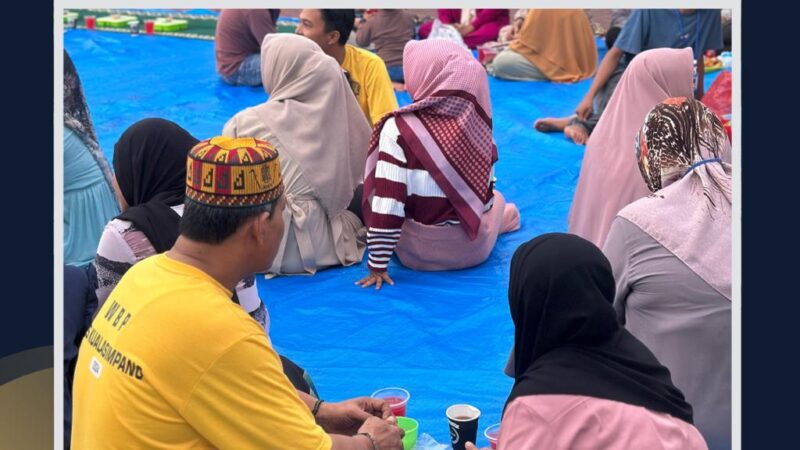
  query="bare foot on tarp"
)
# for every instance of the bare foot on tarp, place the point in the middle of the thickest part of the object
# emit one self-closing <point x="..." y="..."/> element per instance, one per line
<point x="398" y="87"/>
<point x="577" y="133"/>
<point x="551" y="124"/>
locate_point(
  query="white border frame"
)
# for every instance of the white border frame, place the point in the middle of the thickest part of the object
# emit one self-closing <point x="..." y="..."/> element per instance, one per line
<point x="58" y="156"/>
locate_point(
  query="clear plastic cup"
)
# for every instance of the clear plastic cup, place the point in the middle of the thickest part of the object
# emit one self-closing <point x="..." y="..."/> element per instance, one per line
<point x="396" y="397"/>
<point x="492" y="433"/>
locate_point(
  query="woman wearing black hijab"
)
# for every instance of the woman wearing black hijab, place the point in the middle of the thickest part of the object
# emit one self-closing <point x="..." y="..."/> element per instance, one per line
<point x="582" y="380"/>
<point x="150" y="183"/>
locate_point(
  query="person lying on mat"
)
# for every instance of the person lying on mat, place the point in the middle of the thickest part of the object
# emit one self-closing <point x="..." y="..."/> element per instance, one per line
<point x="581" y="380"/>
<point x="681" y="151"/>
<point x="430" y="169"/>
<point x="645" y="29"/>
<point x="170" y="362"/>
<point x="366" y="72"/>
<point x="237" y="43"/>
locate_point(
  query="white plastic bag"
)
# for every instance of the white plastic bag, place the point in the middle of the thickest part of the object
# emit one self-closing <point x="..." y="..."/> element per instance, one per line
<point x="446" y="32"/>
<point x="426" y="442"/>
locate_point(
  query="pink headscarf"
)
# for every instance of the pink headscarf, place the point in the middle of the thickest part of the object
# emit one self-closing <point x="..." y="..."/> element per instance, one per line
<point x="448" y="127"/>
<point x="609" y="178"/>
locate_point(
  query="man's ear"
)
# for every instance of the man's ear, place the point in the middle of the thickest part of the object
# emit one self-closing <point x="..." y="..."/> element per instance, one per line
<point x="333" y="37"/>
<point x="258" y="226"/>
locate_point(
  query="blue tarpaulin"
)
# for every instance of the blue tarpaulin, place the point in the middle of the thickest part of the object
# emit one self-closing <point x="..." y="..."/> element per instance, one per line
<point x="443" y="336"/>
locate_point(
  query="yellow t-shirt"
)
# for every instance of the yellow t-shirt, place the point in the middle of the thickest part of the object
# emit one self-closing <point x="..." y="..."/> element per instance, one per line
<point x="371" y="82"/>
<point x="170" y="362"/>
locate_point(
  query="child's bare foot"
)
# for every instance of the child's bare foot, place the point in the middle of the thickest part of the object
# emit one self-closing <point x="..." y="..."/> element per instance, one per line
<point x="551" y="124"/>
<point x="577" y="133"/>
<point x="398" y="87"/>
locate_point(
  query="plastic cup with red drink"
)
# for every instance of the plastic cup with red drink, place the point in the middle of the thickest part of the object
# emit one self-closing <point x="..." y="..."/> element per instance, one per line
<point x="492" y="434"/>
<point x="396" y="397"/>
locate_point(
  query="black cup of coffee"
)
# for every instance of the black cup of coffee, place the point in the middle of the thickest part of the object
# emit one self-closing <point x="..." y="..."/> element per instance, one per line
<point x="463" y="421"/>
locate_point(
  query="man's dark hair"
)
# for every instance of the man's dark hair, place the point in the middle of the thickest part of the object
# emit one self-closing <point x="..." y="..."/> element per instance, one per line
<point x="340" y="20"/>
<point x="611" y="36"/>
<point x="212" y="225"/>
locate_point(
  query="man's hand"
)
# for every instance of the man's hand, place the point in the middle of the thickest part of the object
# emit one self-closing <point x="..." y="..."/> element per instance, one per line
<point x="376" y="278"/>
<point x="585" y="108"/>
<point x="348" y="416"/>
<point x="385" y="432"/>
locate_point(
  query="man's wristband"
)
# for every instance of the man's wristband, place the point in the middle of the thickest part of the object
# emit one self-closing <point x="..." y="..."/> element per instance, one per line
<point x="316" y="407"/>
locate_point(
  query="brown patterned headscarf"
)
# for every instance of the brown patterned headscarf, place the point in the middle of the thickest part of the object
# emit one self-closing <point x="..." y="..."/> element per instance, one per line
<point x="678" y="135"/>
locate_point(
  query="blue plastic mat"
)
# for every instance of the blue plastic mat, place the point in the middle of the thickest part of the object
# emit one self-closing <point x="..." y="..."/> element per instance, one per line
<point x="443" y="336"/>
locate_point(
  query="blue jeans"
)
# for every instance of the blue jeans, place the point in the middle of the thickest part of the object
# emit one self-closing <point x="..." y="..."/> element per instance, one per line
<point x="396" y="73"/>
<point x="248" y="73"/>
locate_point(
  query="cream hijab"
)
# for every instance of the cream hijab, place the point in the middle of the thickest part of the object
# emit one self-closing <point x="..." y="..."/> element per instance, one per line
<point x="313" y="113"/>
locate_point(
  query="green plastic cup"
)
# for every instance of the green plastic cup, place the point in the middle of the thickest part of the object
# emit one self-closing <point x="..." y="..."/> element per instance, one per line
<point x="411" y="428"/>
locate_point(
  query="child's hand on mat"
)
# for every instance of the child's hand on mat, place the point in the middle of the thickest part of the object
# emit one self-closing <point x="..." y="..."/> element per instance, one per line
<point x="348" y="416"/>
<point x="376" y="278"/>
<point x="585" y="108"/>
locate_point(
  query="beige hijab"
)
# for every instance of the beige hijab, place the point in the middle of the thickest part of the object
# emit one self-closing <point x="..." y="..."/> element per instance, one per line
<point x="559" y="42"/>
<point x="314" y="115"/>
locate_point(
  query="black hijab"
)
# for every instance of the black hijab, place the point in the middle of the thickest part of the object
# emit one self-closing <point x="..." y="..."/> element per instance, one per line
<point x="567" y="339"/>
<point x="150" y="167"/>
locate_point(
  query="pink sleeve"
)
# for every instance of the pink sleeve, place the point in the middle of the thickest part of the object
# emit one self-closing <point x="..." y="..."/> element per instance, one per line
<point x="523" y="428"/>
<point x="485" y="16"/>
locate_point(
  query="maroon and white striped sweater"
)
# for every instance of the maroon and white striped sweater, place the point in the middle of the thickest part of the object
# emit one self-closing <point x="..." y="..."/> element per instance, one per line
<point x="403" y="189"/>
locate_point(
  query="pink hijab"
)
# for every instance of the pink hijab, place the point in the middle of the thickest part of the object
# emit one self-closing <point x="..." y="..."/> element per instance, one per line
<point x="609" y="179"/>
<point x="681" y="151"/>
<point x="448" y="127"/>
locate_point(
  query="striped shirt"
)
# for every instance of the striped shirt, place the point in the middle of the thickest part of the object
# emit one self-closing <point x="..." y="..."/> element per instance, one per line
<point x="403" y="189"/>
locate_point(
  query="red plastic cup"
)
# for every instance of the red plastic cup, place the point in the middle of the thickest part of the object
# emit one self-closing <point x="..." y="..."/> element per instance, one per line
<point x="90" y="22"/>
<point x="492" y="434"/>
<point x="397" y="398"/>
<point x="149" y="26"/>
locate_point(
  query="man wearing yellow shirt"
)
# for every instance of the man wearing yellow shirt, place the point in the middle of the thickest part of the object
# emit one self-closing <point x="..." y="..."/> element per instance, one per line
<point x="367" y="73"/>
<point x="171" y="362"/>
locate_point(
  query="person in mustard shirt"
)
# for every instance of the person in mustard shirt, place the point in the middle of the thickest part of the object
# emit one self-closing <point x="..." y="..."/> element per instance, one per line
<point x="366" y="71"/>
<point x="170" y="362"/>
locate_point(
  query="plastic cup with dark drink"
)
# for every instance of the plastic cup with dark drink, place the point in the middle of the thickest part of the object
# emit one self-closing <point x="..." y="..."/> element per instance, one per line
<point x="463" y="421"/>
<point x="492" y="433"/>
<point x="134" y="27"/>
<point x="397" y="398"/>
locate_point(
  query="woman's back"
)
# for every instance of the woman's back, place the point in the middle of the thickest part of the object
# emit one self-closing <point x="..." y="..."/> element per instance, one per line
<point x="669" y="321"/>
<point x="88" y="201"/>
<point x="577" y="422"/>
